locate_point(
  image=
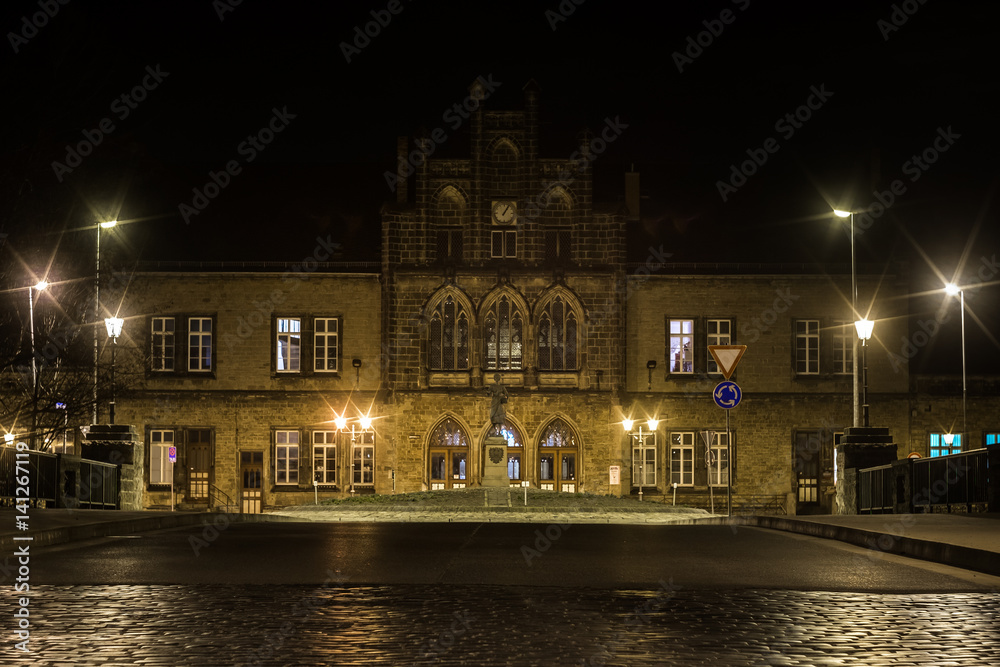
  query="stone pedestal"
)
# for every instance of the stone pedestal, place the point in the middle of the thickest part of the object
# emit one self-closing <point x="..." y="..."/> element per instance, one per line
<point x="495" y="462"/>
<point x="118" y="444"/>
<point x="861" y="447"/>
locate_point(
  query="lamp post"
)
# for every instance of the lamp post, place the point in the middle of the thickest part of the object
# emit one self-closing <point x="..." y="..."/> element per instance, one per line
<point x="651" y="424"/>
<point x="854" y="310"/>
<point x="114" y="326"/>
<point x="39" y="286"/>
<point x="952" y="289"/>
<point x="865" y="328"/>
<point x="97" y="304"/>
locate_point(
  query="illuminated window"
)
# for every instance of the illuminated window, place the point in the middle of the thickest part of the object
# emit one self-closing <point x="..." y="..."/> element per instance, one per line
<point x="288" y="353"/>
<point x="843" y="348"/>
<point x="503" y="330"/>
<point x="449" y="456"/>
<point x="160" y="443"/>
<point x="940" y="446"/>
<point x="557" y="457"/>
<point x="449" y="336"/>
<point x="680" y="346"/>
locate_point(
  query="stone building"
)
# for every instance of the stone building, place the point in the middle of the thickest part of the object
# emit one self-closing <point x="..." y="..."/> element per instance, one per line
<point x="279" y="387"/>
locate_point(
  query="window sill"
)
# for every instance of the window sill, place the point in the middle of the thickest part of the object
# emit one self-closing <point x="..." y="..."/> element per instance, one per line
<point x="558" y="379"/>
<point x="448" y="379"/>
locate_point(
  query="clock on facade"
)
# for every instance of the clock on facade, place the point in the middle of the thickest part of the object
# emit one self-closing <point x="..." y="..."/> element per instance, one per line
<point x="504" y="211"/>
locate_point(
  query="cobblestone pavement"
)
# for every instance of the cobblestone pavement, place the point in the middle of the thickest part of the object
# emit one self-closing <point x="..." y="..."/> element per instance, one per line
<point x="344" y="624"/>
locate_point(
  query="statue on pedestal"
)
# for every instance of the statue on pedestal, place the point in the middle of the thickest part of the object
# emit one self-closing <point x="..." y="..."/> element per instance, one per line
<point x="499" y="396"/>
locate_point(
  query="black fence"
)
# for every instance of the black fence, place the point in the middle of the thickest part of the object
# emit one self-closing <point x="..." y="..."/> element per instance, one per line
<point x="875" y="490"/>
<point x="957" y="482"/>
<point x="956" y="479"/>
<point x="57" y="480"/>
<point x="39" y="469"/>
<point x="99" y="485"/>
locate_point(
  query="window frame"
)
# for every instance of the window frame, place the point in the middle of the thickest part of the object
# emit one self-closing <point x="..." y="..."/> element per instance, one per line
<point x="329" y="442"/>
<point x="844" y="338"/>
<point x="516" y="323"/>
<point x="367" y="441"/>
<point x="807" y="336"/>
<point x="287" y="469"/>
<point x="717" y="338"/>
<point x="438" y="328"/>
<point x="507" y="243"/>
<point x="567" y="348"/>
<point x="719" y="452"/>
<point x="163" y="456"/>
<point x="287" y="340"/>
<point x="642" y="446"/>
<point x="163" y="358"/>
<point x="210" y="347"/>
<point x="686" y="449"/>
<point x="317" y="334"/>
<point x="937" y="446"/>
<point x="686" y="361"/>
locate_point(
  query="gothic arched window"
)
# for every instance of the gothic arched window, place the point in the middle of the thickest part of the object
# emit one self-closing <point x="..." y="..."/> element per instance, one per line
<point x="503" y="333"/>
<point x="449" y="336"/>
<point x="557" y="337"/>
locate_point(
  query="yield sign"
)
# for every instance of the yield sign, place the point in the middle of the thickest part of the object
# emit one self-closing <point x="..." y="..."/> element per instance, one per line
<point x="727" y="356"/>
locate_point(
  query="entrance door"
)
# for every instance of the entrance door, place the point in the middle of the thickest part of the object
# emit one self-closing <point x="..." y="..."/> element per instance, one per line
<point x="251" y="474"/>
<point x="806" y="471"/>
<point x="199" y="449"/>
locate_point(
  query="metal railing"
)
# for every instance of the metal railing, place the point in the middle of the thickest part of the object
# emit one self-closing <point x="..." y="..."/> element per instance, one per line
<point x="41" y="469"/>
<point x="216" y="497"/>
<point x="875" y="490"/>
<point x="955" y="479"/>
<point x="99" y="485"/>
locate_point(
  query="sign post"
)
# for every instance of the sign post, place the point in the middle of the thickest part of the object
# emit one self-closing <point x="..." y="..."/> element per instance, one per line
<point x="727" y="396"/>
<point x="172" y="453"/>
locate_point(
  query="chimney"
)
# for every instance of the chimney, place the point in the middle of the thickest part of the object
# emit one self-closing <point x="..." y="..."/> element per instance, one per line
<point x="402" y="170"/>
<point x="632" y="194"/>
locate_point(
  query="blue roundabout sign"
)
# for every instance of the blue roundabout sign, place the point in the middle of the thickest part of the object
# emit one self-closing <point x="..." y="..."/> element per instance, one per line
<point x="727" y="395"/>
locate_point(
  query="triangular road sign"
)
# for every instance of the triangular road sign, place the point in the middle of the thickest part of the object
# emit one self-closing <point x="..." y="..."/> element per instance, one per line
<point x="727" y="356"/>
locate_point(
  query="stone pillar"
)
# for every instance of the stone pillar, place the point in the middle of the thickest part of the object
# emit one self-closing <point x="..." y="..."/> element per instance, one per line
<point x="861" y="447"/>
<point x="120" y="445"/>
<point x="495" y="462"/>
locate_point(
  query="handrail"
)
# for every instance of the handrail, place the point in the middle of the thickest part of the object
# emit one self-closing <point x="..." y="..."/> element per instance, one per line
<point x="219" y="492"/>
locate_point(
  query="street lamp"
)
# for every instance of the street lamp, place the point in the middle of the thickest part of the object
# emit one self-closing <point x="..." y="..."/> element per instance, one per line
<point x="864" y="327"/>
<point x="97" y="304"/>
<point x="39" y="286"/>
<point x="952" y="289"/>
<point x="651" y="424"/>
<point x="114" y="326"/>
<point x="854" y="308"/>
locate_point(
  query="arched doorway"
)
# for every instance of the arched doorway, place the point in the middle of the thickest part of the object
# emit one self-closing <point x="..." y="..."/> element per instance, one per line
<point x="449" y="456"/>
<point x="557" y="457"/>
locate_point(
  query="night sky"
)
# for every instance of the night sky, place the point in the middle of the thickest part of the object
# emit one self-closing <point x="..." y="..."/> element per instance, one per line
<point x="836" y="104"/>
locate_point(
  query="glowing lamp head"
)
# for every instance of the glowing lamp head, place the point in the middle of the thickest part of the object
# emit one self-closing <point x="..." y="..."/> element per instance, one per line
<point x="341" y="423"/>
<point x="627" y="424"/>
<point x="366" y="422"/>
<point x="8" y="438"/>
<point x="841" y="214"/>
<point x="652" y="423"/>
<point x="951" y="289"/>
<point x="865" y="328"/>
<point x="114" y="326"/>
<point x="41" y="285"/>
<point x="949" y="438"/>
<point x="109" y="224"/>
